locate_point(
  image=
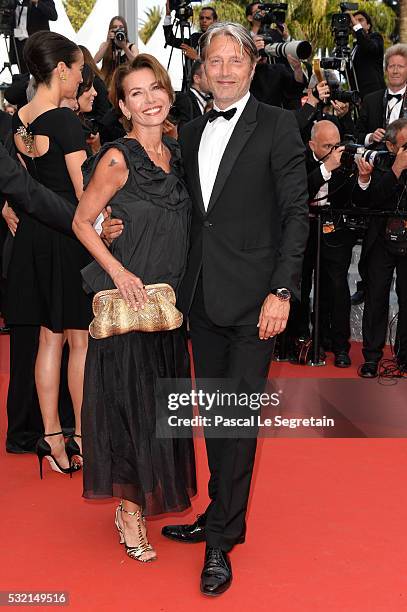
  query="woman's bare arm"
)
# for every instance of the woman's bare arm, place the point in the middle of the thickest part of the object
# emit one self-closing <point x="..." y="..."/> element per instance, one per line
<point x="109" y="177"/>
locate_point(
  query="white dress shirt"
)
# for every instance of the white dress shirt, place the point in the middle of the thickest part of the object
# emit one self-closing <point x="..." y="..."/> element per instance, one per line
<point x="394" y="107"/>
<point x="322" y="195"/>
<point x="20" y="31"/>
<point x="200" y="99"/>
<point x="214" y="140"/>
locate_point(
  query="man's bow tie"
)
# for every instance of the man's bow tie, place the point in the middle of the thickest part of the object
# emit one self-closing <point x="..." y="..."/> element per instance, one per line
<point x="214" y="114"/>
<point x="397" y="96"/>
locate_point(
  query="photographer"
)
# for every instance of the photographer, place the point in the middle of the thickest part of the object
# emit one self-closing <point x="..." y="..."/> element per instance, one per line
<point x="382" y="107"/>
<point x="280" y="33"/>
<point x="116" y="49"/>
<point x="30" y="16"/>
<point x="330" y="184"/>
<point x="367" y="55"/>
<point x="189" y="46"/>
<point x="386" y="251"/>
<point x="322" y="104"/>
<point x="193" y="103"/>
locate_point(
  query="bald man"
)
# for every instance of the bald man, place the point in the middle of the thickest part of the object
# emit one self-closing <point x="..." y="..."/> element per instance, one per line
<point x="329" y="184"/>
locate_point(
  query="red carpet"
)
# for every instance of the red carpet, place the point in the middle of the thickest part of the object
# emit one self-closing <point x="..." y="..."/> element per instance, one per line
<point x="326" y="531"/>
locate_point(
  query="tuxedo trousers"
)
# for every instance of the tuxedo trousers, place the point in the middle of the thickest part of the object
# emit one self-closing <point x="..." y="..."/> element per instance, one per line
<point x="228" y="352"/>
<point x="381" y="263"/>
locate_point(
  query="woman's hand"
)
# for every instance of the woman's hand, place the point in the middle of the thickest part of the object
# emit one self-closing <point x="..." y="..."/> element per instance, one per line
<point x="131" y="288"/>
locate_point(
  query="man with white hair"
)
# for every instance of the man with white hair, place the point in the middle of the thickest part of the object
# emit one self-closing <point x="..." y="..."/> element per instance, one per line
<point x="244" y="164"/>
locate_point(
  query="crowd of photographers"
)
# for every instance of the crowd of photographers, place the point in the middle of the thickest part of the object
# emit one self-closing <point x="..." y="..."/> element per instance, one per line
<point x="354" y="127"/>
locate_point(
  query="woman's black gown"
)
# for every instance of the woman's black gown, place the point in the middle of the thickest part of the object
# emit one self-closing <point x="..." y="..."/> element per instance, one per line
<point x="122" y="455"/>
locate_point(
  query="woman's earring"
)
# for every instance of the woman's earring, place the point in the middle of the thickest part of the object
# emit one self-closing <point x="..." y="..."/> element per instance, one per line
<point x="63" y="77"/>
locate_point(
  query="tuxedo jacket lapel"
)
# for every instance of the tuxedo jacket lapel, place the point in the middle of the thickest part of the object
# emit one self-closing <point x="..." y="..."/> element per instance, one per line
<point x="241" y="134"/>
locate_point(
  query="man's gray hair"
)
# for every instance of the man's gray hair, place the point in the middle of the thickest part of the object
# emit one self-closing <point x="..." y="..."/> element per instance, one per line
<point x="235" y="31"/>
<point x="393" y="129"/>
<point x="399" y="49"/>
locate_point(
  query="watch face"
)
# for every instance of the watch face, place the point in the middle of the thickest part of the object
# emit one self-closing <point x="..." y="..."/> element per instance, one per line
<point x="283" y="294"/>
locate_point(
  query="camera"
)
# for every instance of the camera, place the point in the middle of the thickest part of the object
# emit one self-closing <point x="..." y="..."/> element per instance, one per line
<point x="7" y="9"/>
<point x="300" y="49"/>
<point x="383" y="160"/>
<point x="270" y="13"/>
<point x="120" y="35"/>
<point x="333" y="63"/>
<point x="344" y="95"/>
<point x="341" y="28"/>
<point x="182" y="8"/>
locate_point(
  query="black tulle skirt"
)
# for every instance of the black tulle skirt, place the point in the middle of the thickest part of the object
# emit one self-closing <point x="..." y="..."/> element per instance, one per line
<point x="122" y="456"/>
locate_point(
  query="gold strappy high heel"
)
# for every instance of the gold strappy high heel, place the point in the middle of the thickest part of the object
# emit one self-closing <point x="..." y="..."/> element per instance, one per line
<point x="134" y="552"/>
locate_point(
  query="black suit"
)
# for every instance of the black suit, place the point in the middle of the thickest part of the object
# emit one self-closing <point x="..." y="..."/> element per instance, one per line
<point x="38" y="18"/>
<point x="249" y="242"/>
<point x="273" y="83"/>
<point x="185" y="108"/>
<point x="372" y="115"/>
<point x="382" y="258"/>
<point x="368" y="62"/>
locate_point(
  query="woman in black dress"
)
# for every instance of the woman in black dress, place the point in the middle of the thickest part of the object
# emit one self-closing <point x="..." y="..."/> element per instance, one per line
<point x="44" y="274"/>
<point x="141" y="178"/>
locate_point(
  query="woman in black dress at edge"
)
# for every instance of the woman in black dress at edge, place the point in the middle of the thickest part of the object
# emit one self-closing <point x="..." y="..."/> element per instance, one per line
<point x="45" y="286"/>
<point x="141" y="178"/>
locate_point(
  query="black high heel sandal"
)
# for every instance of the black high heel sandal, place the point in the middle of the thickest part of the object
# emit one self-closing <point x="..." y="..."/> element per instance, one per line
<point x="72" y="449"/>
<point x="43" y="449"/>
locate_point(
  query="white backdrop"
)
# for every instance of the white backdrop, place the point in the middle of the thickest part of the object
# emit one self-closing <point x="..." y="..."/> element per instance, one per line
<point x="94" y="30"/>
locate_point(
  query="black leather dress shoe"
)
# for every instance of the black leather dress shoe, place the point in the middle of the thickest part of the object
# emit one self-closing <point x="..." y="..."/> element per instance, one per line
<point x="216" y="575"/>
<point x="368" y="369"/>
<point x="187" y="533"/>
<point x="342" y="360"/>
<point x="357" y="298"/>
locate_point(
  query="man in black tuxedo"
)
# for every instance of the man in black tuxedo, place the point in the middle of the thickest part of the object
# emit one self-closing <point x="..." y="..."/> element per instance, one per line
<point x="193" y="103"/>
<point x="330" y="184"/>
<point x="382" y="107"/>
<point x="386" y="252"/>
<point x="367" y="55"/>
<point x="31" y="16"/>
<point x="378" y="110"/>
<point x="244" y="164"/>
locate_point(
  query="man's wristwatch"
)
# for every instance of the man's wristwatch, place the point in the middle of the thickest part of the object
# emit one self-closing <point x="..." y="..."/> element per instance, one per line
<point x="283" y="294"/>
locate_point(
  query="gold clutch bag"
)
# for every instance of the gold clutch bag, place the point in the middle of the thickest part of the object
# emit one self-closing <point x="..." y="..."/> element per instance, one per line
<point x="114" y="317"/>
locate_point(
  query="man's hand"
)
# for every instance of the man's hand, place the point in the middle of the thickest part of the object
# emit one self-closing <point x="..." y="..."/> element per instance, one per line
<point x="259" y="42"/>
<point x="167" y="8"/>
<point x="352" y="18"/>
<point x="378" y="135"/>
<point x="400" y="163"/>
<point x="297" y="68"/>
<point x="10" y="218"/>
<point x="341" y="108"/>
<point x="323" y="91"/>
<point x="365" y="170"/>
<point x="333" y="160"/>
<point x="111" y="228"/>
<point x="273" y="317"/>
<point x="284" y="31"/>
<point x="189" y="52"/>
